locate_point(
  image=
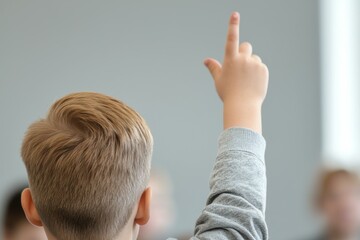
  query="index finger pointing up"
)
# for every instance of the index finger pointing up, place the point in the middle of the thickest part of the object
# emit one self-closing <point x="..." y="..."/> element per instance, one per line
<point x="232" y="42"/>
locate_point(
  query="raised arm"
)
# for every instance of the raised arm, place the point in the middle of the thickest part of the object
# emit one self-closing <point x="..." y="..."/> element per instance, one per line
<point x="236" y="205"/>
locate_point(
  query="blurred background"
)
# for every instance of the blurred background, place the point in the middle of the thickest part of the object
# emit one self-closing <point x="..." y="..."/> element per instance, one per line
<point x="150" y="53"/>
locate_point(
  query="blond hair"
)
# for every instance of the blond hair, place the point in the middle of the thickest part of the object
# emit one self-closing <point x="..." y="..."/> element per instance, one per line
<point x="88" y="163"/>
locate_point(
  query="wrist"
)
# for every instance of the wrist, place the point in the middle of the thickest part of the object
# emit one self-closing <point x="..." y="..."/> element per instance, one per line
<point x="241" y="113"/>
<point x="242" y="104"/>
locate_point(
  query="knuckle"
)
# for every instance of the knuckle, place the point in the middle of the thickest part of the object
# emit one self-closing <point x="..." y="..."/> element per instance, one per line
<point x="247" y="44"/>
<point x="263" y="69"/>
<point x="247" y="61"/>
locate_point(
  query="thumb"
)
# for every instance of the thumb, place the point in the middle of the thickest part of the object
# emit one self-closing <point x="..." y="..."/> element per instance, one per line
<point x="214" y="67"/>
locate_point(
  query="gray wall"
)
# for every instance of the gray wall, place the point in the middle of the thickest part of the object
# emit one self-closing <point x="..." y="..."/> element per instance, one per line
<point x="149" y="54"/>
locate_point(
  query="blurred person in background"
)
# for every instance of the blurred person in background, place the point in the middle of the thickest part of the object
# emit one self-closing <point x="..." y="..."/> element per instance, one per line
<point x="15" y="224"/>
<point x="338" y="201"/>
<point x="162" y="208"/>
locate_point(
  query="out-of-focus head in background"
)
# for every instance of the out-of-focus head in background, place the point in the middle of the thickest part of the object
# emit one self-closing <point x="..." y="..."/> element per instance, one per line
<point x="162" y="207"/>
<point x="15" y="224"/>
<point x="338" y="201"/>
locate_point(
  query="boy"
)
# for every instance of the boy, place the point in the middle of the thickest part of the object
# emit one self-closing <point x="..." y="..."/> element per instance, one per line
<point x="88" y="162"/>
<point x="16" y="227"/>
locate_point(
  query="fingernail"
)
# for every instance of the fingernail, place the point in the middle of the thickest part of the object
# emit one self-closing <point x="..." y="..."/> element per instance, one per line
<point x="235" y="15"/>
<point x="206" y="61"/>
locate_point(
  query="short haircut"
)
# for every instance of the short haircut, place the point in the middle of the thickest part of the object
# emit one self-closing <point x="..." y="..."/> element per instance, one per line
<point x="14" y="215"/>
<point x="88" y="163"/>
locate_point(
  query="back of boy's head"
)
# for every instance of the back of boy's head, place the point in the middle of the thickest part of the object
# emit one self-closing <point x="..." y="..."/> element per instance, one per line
<point x="88" y="163"/>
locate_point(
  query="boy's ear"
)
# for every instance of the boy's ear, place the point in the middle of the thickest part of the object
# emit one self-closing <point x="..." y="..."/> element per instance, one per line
<point x="30" y="211"/>
<point x="143" y="212"/>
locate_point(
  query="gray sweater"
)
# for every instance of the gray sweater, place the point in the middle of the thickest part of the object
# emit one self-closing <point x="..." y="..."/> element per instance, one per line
<point x="235" y="208"/>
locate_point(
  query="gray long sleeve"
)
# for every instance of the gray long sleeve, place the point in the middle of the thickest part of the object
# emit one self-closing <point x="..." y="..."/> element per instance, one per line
<point x="236" y="205"/>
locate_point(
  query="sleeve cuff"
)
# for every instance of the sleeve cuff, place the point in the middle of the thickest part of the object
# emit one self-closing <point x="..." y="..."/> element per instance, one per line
<point x="242" y="139"/>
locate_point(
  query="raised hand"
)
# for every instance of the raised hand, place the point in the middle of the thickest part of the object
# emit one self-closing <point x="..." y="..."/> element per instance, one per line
<point x="241" y="81"/>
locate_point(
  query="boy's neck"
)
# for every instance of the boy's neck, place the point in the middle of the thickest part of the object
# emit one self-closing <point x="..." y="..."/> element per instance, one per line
<point x="126" y="234"/>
